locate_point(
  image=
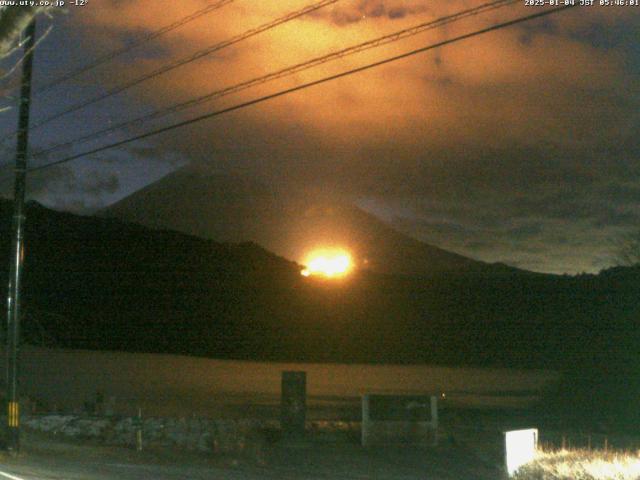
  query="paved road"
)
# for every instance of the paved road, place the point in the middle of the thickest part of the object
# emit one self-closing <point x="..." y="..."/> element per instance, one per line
<point x="53" y="460"/>
<point x="47" y="468"/>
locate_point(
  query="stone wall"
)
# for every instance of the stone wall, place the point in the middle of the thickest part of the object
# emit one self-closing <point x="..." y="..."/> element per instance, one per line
<point x="216" y="436"/>
<point x="195" y="433"/>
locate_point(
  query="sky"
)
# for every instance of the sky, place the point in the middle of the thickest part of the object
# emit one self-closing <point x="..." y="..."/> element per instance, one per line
<point x="519" y="146"/>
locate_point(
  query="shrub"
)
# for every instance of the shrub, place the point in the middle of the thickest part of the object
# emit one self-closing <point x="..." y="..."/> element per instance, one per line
<point x="582" y="465"/>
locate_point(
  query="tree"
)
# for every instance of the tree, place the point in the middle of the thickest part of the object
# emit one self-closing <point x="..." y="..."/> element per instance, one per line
<point x="627" y="249"/>
<point x="13" y="21"/>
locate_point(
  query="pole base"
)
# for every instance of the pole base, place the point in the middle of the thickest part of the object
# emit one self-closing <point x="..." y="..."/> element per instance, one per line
<point x="13" y="441"/>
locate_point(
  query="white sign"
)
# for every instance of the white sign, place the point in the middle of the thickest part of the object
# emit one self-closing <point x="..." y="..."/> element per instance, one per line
<point x="520" y="448"/>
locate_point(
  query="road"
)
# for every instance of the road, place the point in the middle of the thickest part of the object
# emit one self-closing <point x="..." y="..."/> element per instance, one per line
<point x="38" y="468"/>
<point x="48" y="468"/>
<point x="103" y="471"/>
<point x="46" y="459"/>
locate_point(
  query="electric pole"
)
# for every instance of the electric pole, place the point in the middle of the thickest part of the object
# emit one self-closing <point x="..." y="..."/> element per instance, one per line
<point x="17" y="247"/>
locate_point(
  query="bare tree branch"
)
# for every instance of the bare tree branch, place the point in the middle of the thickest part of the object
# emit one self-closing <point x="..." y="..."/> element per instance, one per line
<point x="627" y="249"/>
<point x="19" y="62"/>
<point x="13" y="21"/>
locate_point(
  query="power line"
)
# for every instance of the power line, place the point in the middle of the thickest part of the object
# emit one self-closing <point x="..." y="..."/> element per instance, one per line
<point x="136" y="43"/>
<point x="200" y="54"/>
<point x="297" y="68"/>
<point x="304" y="86"/>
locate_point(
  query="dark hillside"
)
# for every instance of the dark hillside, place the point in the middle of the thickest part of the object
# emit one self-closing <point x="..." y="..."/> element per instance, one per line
<point x="100" y="283"/>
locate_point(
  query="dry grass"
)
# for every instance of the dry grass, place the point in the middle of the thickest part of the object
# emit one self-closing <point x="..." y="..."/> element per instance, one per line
<point x="173" y="385"/>
<point x="582" y="465"/>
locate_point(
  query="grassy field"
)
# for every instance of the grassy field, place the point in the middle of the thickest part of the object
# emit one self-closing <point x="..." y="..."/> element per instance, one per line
<point x="179" y="385"/>
<point x="582" y="465"/>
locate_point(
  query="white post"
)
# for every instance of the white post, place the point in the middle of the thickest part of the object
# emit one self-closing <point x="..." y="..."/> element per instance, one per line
<point x="434" y="419"/>
<point x="139" y="431"/>
<point x="365" y="420"/>
<point x="520" y="447"/>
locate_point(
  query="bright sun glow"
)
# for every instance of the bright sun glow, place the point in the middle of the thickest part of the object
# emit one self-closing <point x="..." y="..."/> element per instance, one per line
<point x="328" y="263"/>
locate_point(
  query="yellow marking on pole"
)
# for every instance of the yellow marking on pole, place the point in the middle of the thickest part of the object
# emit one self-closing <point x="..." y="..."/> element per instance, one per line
<point x="13" y="414"/>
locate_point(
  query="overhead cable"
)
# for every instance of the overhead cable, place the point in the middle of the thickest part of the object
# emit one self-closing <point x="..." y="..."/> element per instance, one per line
<point x="303" y="86"/>
<point x="285" y="72"/>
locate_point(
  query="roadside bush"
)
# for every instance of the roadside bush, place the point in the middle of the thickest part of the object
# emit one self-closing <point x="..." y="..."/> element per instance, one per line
<point x="582" y="465"/>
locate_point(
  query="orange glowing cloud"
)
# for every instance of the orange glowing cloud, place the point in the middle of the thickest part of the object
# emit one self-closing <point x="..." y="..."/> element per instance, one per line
<point x="512" y="80"/>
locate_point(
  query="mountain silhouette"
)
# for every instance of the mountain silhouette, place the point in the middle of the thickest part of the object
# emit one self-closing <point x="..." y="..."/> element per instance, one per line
<point x="285" y="220"/>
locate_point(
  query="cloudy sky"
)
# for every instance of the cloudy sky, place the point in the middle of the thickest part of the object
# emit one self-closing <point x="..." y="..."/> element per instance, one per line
<point x="521" y="145"/>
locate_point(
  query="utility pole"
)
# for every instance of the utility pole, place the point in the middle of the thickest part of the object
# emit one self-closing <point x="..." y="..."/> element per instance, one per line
<point x="17" y="247"/>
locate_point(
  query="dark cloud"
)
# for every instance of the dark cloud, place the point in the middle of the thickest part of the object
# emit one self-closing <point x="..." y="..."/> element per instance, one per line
<point x="361" y="10"/>
<point x="527" y="231"/>
<point x="66" y="188"/>
<point x="100" y="184"/>
<point x="531" y="209"/>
